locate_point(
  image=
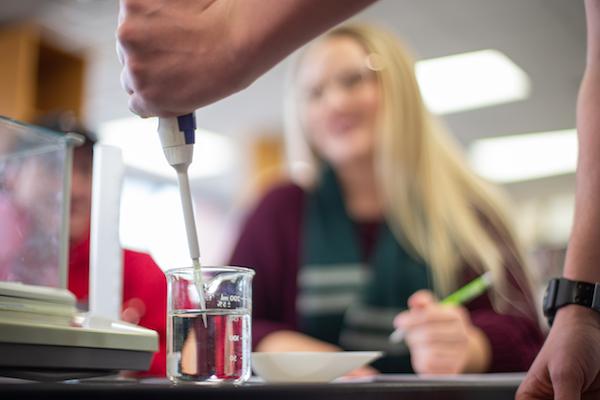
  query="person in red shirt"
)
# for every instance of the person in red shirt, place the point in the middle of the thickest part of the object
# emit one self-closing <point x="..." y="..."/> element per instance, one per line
<point x="144" y="283"/>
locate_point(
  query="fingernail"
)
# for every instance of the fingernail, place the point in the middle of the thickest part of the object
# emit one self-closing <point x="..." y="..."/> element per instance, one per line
<point x="399" y="320"/>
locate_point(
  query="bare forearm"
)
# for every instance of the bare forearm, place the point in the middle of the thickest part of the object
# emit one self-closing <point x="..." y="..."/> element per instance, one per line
<point x="583" y="257"/>
<point x="280" y="26"/>
<point x="592" y="8"/>
<point x="567" y="365"/>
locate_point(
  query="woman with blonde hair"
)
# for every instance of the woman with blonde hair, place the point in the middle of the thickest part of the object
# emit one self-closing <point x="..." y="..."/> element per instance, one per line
<point x="388" y="219"/>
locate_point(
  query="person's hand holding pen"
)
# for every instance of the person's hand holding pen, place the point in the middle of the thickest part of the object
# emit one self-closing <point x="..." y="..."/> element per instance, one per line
<point x="441" y="338"/>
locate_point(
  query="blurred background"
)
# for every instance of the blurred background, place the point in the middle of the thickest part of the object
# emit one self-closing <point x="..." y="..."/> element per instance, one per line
<point x="502" y="74"/>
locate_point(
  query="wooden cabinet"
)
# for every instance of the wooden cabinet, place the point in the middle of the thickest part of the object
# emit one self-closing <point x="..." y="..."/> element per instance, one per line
<point x="37" y="77"/>
<point x="267" y="161"/>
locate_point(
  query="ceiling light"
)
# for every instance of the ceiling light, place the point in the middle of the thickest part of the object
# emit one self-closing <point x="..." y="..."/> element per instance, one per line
<point x="469" y="81"/>
<point x="523" y="157"/>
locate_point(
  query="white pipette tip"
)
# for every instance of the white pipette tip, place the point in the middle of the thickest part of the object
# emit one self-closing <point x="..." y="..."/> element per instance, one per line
<point x="199" y="283"/>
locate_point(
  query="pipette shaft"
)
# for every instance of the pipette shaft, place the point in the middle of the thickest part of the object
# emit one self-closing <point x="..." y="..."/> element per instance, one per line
<point x="177" y="136"/>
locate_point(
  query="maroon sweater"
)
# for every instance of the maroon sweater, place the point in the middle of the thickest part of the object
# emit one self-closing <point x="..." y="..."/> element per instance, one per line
<point x="271" y="243"/>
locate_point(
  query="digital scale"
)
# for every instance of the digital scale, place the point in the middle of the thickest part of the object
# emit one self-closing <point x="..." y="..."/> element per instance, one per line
<point x="42" y="334"/>
<point x="43" y="337"/>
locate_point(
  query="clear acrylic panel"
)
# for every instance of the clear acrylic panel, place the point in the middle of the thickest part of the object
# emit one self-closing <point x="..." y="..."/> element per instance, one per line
<point x="33" y="202"/>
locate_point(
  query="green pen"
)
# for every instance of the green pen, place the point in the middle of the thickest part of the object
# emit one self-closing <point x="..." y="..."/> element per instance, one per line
<point x="463" y="295"/>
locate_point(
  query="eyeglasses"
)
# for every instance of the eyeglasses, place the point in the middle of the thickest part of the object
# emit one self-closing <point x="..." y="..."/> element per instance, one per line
<point x="349" y="81"/>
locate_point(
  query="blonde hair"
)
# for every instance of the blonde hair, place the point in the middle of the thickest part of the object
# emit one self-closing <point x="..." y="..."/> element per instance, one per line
<point x="436" y="206"/>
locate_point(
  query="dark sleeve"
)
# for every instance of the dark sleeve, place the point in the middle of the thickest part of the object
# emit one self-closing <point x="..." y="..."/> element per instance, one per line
<point x="514" y="340"/>
<point x="269" y="243"/>
<point x="514" y="335"/>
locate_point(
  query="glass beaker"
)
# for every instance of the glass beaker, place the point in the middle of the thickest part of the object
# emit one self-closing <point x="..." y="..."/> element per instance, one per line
<point x="211" y="345"/>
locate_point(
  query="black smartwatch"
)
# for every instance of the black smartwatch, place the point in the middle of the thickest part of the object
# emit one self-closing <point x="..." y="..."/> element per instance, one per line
<point x="561" y="292"/>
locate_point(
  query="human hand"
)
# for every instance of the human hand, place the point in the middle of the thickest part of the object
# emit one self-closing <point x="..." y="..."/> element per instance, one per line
<point x="441" y="338"/>
<point x="178" y="55"/>
<point x="133" y="310"/>
<point x="568" y="366"/>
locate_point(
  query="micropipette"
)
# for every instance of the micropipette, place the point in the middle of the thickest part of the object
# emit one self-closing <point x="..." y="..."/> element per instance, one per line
<point x="177" y="136"/>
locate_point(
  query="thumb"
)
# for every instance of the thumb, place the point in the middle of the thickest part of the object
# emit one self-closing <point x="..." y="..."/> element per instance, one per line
<point x="138" y="105"/>
<point x="535" y="387"/>
<point x="566" y="387"/>
<point x="421" y="299"/>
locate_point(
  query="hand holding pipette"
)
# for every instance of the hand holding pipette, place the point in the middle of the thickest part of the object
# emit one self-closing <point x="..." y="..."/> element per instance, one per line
<point x="177" y="136"/>
<point x="442" y="339"/>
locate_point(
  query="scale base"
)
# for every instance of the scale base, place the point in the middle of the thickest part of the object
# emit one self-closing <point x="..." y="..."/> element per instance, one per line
<point x="59" y="363"/>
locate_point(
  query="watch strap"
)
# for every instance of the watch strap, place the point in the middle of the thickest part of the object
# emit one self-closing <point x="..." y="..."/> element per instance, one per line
<point x="562" y="292"/>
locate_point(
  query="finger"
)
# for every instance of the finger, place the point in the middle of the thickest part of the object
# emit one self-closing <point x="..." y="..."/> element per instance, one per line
<point x="400" y="319"/>
<point x="567" y="385"/>
<point x="436" y="364"/>
<point x="130" y="315"/>
<point x="440" y="353"/>
<point x="408" y="319"/>
<point x="120" y="52"/>
<point x="528" y="391"/>
<point x="126" y="83"/>
<point x="132" y="33"/>
<point x="421" y="299"/>
<point x="122" y="13"/>
<point x="529" y="396"/>
<point x="537" y="384"/>
<point x="436" y="334"/>
<point x="204" y="4"/>
<point x="128" y="8"/>
<point x="138" y="106"/>
<point x="429" y="315"/>
<point x="442" y="367"/>
<point x="122" y="9"/>
<point x="118" y="48"/>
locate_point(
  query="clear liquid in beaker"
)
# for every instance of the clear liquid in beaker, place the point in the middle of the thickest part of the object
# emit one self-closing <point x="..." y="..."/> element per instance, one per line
<point x="215" y="353"/>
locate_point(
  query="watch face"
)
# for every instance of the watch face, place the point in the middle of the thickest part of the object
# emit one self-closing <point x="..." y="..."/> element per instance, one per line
<point x="550" y="297"/>
<point x="545" y="304"/>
